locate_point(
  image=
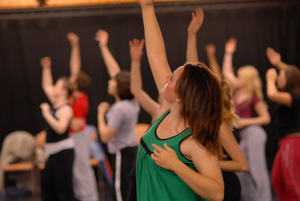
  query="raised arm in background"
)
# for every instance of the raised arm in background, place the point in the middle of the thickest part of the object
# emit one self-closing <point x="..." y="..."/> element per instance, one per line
<point x="192" y="53"/>
<point x="111" y="64"/>
<point x="280" y="97"/>
<point x="275" y="59"/>
<point x="212" y="60"/>
<point x="136" y="83"/>
<point x="47" y="80"/>
<point x="238" y="161"/>
<point x="75" y="59"/>
<point x="194" y="26"/>
<point x="227" y="68"/>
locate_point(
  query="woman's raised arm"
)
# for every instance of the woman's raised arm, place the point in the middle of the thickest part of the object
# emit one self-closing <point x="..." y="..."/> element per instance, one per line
<point x="194" y="26"/>
<point x="111" y="64"/>
<point x="154" y="44"/>
<point x="136" y="84"/>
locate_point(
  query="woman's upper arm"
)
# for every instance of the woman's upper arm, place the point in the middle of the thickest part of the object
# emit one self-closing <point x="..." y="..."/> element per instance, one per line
<point x="229" y="142"/>
<point x="65" y="116"/>
<point x="232" y="147"/>
<point x="206" y="163"/>
<point x="283" y="98"/>
<point x="261" y="108"/>
<point x="147" y="103"/>
<point x="48" y="90"/>
<point x="160" y="70"/>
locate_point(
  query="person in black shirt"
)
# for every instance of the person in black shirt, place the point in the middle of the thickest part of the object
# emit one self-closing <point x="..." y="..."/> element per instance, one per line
<point x="57" y="181"/>
<point x="286" y="166"/>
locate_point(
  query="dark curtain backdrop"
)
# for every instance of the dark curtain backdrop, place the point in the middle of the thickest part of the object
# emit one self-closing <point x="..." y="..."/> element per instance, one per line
<point x="27" y="37"/>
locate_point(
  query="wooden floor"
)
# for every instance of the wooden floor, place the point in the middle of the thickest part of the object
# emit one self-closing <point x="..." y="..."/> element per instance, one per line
<point x="15" y="194"/>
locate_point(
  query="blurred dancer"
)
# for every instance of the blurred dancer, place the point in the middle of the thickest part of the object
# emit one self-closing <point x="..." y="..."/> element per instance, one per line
<point x="122" y="117"/>
<point x="57" y="182"/>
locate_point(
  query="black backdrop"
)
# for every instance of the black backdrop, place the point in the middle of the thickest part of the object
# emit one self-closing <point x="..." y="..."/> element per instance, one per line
<point x="27" y="36"/>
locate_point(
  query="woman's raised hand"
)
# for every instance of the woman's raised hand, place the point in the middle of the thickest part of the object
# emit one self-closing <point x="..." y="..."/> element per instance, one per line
<point x="45" y="62"/>
<point x="72" y="38"/>
<point x="210" y="49"/>
<point x="197" y="20"/>
<point x="230" y="46"/>
<point x="273" y="56"/>
<point x="102" y="37"/>
<point x="271" y="74"/>
<point x="136" y="49"/>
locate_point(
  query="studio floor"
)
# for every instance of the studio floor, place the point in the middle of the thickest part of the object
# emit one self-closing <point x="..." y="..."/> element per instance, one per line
<point x="14" y="193"/>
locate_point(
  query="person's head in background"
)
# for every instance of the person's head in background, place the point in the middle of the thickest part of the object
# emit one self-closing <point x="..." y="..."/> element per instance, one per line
<point x="119" y="86"/>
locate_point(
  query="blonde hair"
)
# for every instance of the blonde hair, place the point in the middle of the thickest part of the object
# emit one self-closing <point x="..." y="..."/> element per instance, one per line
<point x="228" y="116"/>
<point x="252" y="80"/>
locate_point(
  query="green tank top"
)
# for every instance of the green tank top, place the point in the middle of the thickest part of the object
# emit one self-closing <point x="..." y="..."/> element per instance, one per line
<point x="155" y="183"/>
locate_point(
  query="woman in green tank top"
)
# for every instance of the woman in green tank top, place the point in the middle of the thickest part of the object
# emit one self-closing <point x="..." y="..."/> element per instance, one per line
<point x="178" y="156"/>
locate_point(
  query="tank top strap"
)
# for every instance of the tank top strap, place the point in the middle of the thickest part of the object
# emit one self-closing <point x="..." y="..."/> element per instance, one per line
<point x="159" y="120"/>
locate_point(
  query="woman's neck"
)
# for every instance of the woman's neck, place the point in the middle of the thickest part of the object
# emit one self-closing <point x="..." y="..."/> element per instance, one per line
<point x="117" y="99"/>
<point x="176" y="118"/>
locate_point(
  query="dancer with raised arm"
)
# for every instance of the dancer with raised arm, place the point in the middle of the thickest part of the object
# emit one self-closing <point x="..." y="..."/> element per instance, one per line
<point x="85" y="185"/>
<point x="136" y="83"/>
<point x="57" y="182"/>
<point x="236" y="161"/>
<point x="285" y="170"/>
<point x="248" y="99"/>
<point x="122" y="116"/>
<point x="275" y="59"/>
<point x="212" y="59"/>
<point x="178" y="156"/>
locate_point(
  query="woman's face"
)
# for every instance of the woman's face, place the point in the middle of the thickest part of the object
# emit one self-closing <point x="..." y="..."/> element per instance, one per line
<point x="169" y="88"/>
<point x="281" y="80"/>
<point x="112" y="87"/>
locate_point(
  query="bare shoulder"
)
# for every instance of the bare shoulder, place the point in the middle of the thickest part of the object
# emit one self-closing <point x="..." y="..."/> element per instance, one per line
<point x="66" y="109"/>
<point x="190" y="147"/>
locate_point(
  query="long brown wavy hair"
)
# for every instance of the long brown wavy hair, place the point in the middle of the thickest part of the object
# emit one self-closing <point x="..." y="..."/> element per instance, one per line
<point x="201" y="105"/>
